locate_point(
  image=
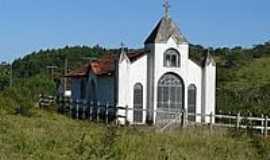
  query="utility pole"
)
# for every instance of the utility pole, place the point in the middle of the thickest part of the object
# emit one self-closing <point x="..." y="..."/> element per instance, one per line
<point x="66" y="71"/>
<point x="52" y="68"/>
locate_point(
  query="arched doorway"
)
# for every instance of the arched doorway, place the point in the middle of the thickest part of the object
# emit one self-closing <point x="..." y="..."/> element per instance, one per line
<point x="170" y="97"/>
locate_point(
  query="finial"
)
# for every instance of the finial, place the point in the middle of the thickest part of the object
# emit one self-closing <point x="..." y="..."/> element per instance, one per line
<point x="123" y="55"/>
<point x="209" y="59"/>
<point x="208" y="52"/>
<point x="122" y="47"/>
<point x="166" y="6"/>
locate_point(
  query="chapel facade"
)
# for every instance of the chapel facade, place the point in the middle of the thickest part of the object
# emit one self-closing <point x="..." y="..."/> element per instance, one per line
<point x="160" y="79"/>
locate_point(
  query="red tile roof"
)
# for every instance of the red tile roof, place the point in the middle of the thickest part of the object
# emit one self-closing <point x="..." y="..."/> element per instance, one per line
<point x="103" y="65"/>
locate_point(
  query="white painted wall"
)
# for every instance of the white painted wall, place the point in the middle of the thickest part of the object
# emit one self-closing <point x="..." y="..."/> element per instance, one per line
<point x="158" y="50"/>
<point x="129" y="75"/>
<point x="137" y="74"/>
<point x="123" y="87"/>
<point x="194" y="76"/>
<point x="190" y="72"/>
<point x="209" y="85"/>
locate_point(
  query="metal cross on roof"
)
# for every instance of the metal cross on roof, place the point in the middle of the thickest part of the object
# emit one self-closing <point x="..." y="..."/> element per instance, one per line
<point x="166" y="6"/>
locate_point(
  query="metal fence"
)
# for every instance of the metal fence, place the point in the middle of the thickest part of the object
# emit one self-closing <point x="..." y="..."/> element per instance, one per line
<point x="87" y="110"/>
<point x="109" y="113"/>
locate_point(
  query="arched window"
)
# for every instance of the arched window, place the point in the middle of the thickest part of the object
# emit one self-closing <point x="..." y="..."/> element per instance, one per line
<point x="171" y="58"/>
<point x="138" y="103"/>
<point x="192" y="95"/>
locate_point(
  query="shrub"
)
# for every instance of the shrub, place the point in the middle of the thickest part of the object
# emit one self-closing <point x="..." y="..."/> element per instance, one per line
<point x="20" y="98"/>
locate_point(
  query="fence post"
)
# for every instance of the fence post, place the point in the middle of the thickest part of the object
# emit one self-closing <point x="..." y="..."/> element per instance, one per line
<point x="211" y="121"/>
<point x="266" y="126"/>
<point x="184" y="118"/>
<point x="77" y="109"/>
<point x="250" y="124"/>
<point x="238" y="119"/>
<point x="179" y="117"/>
<point x="117" y="115"/>
<point x="91" y="104"/>
<point x="98" y="111"/>
<point x="84" y="114"/>
<point x="60" y="105"/>
<point x="82" y="109"/>
<point x="107" y="113"/>
<point x="262" y="124"/>
<point x="126" y="113"/>
<point x="230" y="120"/>
<point x="40" y="100"/>
<point x="70" y="104"/>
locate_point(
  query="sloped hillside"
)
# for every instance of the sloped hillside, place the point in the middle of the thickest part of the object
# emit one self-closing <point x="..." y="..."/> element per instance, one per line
<point x="255" y="73"/>
<point x="245" y="88"/>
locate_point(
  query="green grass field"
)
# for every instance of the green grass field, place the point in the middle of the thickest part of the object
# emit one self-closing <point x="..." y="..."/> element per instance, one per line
<point x="49" y="136"/>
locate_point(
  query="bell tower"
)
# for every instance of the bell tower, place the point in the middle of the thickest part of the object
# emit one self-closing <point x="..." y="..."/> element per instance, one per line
<point x="166" y="35"/>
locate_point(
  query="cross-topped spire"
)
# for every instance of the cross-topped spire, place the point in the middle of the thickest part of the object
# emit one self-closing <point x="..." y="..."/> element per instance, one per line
<point x="166" y="6"/>
<point x="123" y="55"/>
<point x="122" y="47"/>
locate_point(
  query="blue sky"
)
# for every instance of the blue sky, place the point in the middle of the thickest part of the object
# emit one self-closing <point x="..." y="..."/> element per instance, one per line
<point x="29" y="25"/>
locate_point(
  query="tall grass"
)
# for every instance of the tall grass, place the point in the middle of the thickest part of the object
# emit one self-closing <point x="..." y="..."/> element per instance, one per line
<point x="47" y="136"/>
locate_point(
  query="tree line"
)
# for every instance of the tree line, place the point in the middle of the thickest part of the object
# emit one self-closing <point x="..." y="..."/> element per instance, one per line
<point x="241" y="96"/>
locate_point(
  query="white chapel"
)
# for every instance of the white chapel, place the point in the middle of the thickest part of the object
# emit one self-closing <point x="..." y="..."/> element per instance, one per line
<point x="160" y="78"/>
